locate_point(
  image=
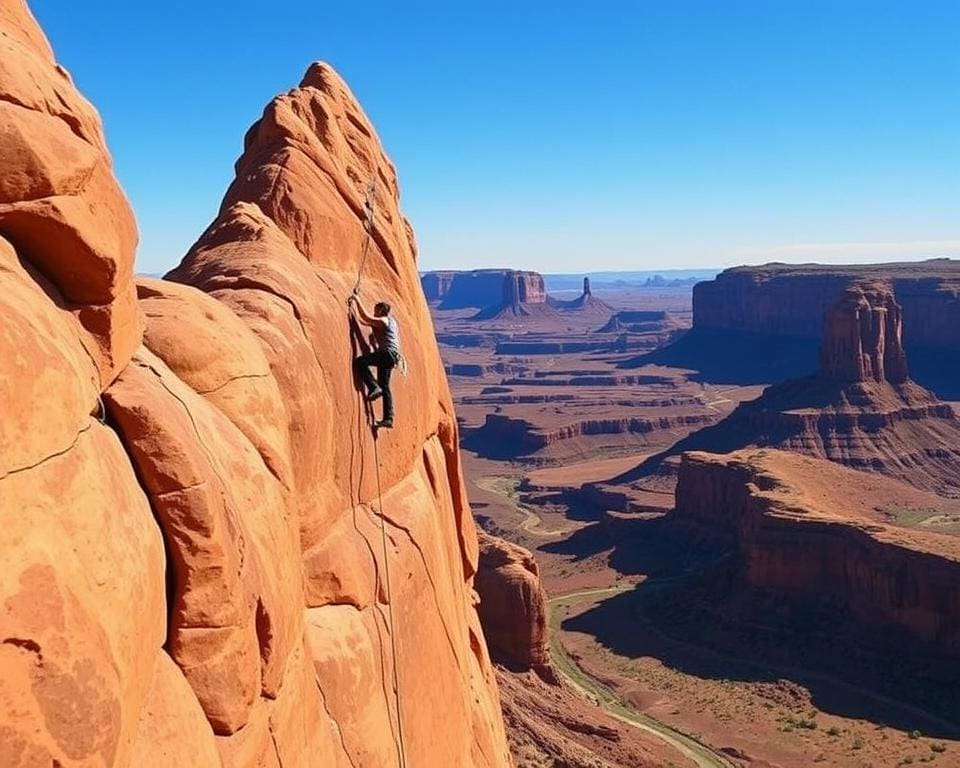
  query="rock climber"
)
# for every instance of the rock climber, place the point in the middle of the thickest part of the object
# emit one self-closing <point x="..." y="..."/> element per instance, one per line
<point x="385" y="355"/>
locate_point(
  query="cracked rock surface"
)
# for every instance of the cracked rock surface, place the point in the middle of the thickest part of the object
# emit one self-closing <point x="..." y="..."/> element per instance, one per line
<point x="201" y="577"/>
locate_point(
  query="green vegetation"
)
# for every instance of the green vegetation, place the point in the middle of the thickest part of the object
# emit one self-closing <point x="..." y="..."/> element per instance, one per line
<point x="790" y="723"/>
<point x="910" y="516"/>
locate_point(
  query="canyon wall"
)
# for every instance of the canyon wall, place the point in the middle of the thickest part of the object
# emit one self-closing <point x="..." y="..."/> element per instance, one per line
<point x="763" y="324"/>
<point x="863" y="338"/>
<point x="211" y="559"/>
<point x="503" y="436"/>
<point x="790" y="518"/>
<point x="860" y="409"/>
<point x="758" y="325"/>
<point x="483" y="288"/>
<point x="792" y="300"/>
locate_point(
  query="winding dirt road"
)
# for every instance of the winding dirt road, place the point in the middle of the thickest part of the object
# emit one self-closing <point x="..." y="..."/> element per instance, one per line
<point x="597" y="692"/>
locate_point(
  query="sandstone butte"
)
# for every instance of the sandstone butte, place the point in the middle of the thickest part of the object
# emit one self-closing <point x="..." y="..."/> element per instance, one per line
<point x="198" y="580"/>
<point x="805" y="526"/>
<point x="861" y="409"/>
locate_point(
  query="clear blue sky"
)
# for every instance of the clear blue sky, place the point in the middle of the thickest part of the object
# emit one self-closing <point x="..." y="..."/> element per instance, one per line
<point x="565" y="136"/>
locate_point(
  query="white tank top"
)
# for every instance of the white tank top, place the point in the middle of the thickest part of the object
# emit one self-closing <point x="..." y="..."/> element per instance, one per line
<point x="391" y="336"/>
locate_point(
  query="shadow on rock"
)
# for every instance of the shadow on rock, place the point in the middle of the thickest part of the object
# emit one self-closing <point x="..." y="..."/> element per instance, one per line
<point x="713" y="625"/>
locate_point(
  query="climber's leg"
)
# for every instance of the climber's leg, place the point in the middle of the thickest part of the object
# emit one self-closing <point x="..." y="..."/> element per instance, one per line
<point x="384" y="369"/>
<point x="363" y="364"/>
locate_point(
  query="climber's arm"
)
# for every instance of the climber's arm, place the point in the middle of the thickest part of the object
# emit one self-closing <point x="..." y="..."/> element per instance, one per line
<point x="362" y="315"/>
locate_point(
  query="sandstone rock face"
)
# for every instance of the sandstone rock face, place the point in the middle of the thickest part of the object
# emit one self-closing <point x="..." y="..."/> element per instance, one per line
<point x="283" y="256"/>
<point x="513" y="606"/>
<point x="201" y="580"/>
<point x="862" y="338"/>
<point x="860" y="409"/>
<point x="487" y="289"/>
<point x="765" y="323"/>
<point x="57" y="186"/>
<point x="82" y="589"/>
<point x="795" y="522"/>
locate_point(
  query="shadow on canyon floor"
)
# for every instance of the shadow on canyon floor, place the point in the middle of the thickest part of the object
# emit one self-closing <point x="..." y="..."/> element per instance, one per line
<point x="710" y="624"/>
<point x="727" y="357"/>
<point x="741" y="358"/>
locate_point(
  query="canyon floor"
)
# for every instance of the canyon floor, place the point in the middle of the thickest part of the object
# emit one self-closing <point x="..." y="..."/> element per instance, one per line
<point x="637" y="625"/>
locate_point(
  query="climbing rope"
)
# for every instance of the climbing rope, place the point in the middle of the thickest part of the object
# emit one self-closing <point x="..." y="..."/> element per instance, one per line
<point x="401" y="746"/>
<point x="368" y="224"/>
<point x="368" y="220"/>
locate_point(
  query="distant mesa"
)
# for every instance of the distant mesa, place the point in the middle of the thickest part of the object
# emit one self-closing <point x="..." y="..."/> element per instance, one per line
<point x="482" y="288"/>
<point x="860" y="409"/>
<point x="764" y="324"/>
<point x="499" y="293"/>
<point x="523" y="295"/>
<point x="659" y="281"/>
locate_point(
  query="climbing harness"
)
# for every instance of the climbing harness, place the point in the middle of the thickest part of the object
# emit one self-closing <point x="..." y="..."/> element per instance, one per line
<point x="368" y="224"/>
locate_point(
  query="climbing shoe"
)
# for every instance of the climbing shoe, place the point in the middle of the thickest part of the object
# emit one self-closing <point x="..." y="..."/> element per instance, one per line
<point x="384" y="424"/>
<point x="374" y="394"/>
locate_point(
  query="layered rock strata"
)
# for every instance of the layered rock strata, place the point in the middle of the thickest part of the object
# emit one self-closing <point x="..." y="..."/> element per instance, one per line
<point x="800" y="528"/>
<point x="861" y="409"/>
<point x="764" y="324"/>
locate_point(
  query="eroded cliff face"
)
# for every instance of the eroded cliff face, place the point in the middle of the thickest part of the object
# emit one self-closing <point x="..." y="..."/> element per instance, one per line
<point x="863" y="337"/>
<point x="484" y="288"/>
<point x="513" y="605"/>
<point x="798" y="525"/>
<point x="792" y="300"/>
<point x="860" y="409"/>
<point x="201" y="580"/>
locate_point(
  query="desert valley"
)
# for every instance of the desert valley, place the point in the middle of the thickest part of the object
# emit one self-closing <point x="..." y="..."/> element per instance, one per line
<point x="686" y="519"/>
<point x="740" y="503"/>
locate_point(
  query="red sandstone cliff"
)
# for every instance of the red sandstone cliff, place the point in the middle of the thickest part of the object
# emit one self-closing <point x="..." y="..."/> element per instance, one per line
<point x="200" y="580"/>
<point x="863" y="338"/>
<point x="808" y="527"/>
<point x="792" y="300"/>
<point x="513" y="606"/>
<point x="764" y="323"/>
<point x="547" y="722"/>
<point x="860" y="409"/>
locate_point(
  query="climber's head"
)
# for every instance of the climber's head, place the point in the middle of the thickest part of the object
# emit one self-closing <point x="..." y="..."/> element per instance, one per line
<point x="382" y="309"/>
